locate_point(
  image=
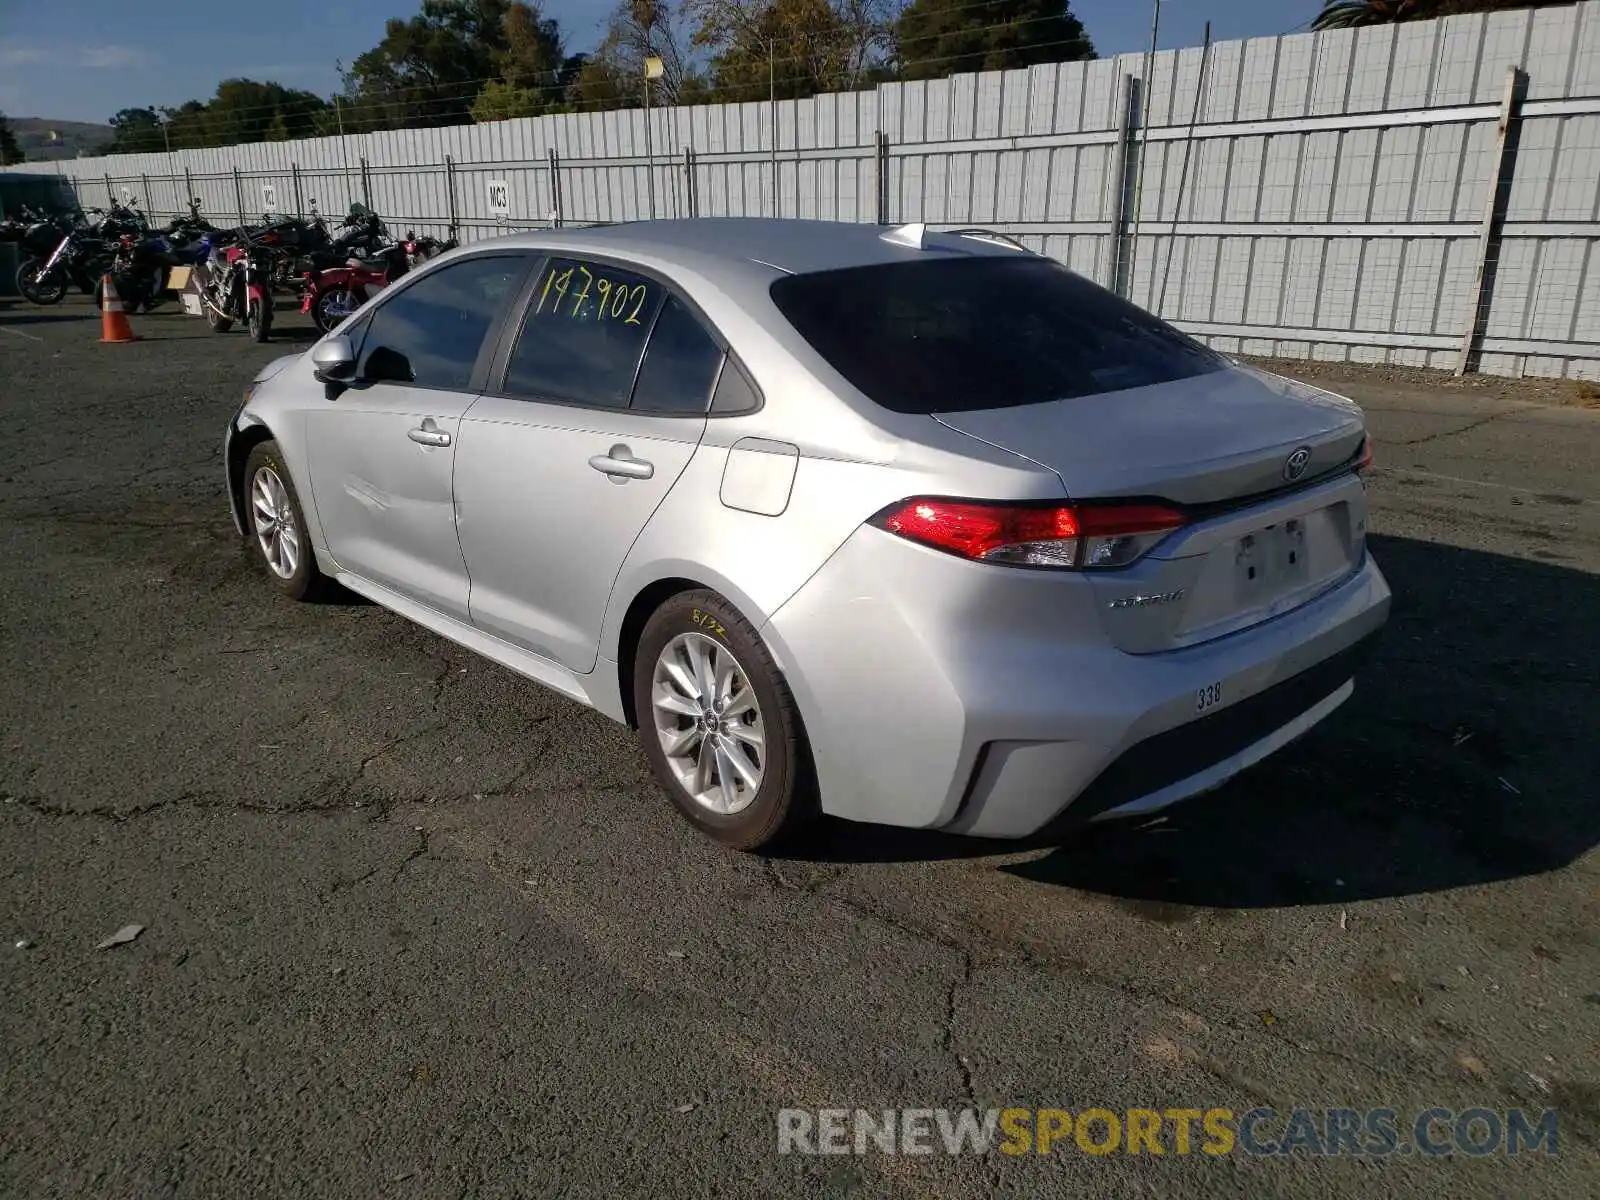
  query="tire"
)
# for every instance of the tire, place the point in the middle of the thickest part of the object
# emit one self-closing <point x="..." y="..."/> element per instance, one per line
<point x="268" y="488"/>
<point x="320" y="314"/>
<point x="46" y="291"/>
<point x="783" y="798"/>
<point x="219" y="322"/>
<point x="260" y="318"/>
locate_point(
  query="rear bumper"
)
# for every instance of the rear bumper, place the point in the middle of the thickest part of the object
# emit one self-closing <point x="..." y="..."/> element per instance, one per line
<point x="934" y="699"/>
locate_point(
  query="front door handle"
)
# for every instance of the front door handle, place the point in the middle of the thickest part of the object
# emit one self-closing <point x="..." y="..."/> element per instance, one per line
<point x="620" y="464"/>
<point x="429" y="434"/>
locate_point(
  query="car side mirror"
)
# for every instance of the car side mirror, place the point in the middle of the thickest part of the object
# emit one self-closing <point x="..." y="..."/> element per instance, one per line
<point x="334" y="360"/>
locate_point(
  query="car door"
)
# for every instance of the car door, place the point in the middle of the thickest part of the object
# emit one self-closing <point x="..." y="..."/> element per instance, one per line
<point x="599" y="401"/>
<point x="382" y="451"/>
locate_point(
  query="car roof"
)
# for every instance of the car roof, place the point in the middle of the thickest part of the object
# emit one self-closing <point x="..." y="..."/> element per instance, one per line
<point x="737" y="248"/>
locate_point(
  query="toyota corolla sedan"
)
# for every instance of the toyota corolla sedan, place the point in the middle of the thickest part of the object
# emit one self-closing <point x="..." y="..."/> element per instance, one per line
<point x="907" y="527"/>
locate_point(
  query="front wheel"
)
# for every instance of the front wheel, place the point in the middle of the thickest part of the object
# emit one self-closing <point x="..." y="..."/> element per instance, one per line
<point x="277" y="526"/>
<point x="38" y="287"/>
<point x="719" y="725"/>
<point x="260" y="318"/>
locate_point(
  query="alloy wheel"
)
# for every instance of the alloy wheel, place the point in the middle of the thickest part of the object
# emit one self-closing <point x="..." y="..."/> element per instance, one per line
<point x="276" y="531"/>
<point x="709" y="722"/>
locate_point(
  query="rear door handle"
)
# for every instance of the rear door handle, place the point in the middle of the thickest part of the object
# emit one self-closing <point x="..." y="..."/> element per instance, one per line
<point x="620" y="464"/>
<point x="429" y="434"/>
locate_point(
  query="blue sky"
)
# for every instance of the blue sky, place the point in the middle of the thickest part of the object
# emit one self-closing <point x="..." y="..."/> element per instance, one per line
<point x="84" y="59"/>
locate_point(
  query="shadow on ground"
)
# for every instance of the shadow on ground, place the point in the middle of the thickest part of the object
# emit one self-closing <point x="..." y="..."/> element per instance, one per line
<point x="40" y="316"/>
<point x="1467" y="755"/>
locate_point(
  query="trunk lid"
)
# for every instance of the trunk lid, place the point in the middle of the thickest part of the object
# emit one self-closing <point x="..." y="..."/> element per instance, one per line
<point x="1202" y="440"/>
<point x="1266" y="538"/>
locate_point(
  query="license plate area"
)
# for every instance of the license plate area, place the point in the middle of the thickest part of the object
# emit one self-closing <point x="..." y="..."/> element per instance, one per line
<point x="1271" y="561"/>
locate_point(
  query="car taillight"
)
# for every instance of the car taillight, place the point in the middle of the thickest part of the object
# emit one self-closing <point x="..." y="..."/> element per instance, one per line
<point x="1364" y="455"/>
<point x="1070" y="536"/>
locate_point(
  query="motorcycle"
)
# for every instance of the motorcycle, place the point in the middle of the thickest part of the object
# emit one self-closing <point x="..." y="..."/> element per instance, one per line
<point x="139" y="267"/>
<point x="420" y="250"/>
<point x="359" y="263"/>
<point x="78" y="258"/>
<point x="235" y="284"/>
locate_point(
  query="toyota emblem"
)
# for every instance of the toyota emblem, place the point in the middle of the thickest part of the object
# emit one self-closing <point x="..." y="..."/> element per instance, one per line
<point x="1295" y="465"/>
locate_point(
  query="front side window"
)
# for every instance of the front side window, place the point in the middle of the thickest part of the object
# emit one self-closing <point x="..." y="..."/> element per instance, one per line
<point x="430" y="333"/>
<point x="955" y="334"/>
<point x="584" y="334"/>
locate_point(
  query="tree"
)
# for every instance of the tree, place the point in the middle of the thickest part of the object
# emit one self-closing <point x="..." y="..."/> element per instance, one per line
<point x="613" y="76"/>
<point x="10" y="152"/>
<point x="429" y="70"/>
<point x="793" y="48"/>
<point x="246" y="111"/>
<point x="934" y="38"/>
<point x="501" y="101"/>
<point x="532" y="57"/>
<point x="1345" y="14"/>
<point x="136" y="131"/>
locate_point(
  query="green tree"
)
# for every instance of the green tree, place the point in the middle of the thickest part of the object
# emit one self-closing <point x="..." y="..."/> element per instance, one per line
<point x="934" y="38"/>
<point x="10" y="152"/>
<point x="428" y="69"/>
<point x="1345" y="14"/>
<point x="500" y="101"/>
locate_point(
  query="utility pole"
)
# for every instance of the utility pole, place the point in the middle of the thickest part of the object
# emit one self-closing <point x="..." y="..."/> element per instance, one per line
<point x="654" y="68"/>
<point x="772" y="105"/>
<point x="1144" y="139"/>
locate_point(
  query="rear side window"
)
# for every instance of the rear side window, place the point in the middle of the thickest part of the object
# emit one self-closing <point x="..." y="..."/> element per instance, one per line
<point x="991" y="331"/>
<point x="430" y="333"/>
<point x="584" y="334"/>
<point x="680" y="363"/>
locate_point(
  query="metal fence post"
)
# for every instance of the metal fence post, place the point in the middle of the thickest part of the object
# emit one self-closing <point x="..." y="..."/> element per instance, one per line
<point x="1508" y="134"/>
<point x="1124" y="167"/>
<point x="238" y="193"/>
<point x="450" y="187"/>
<point x="366" y="183"/>
<point x="111" y="195"/>
<point x="880" y="155"/>
<point x="188" y="186"/>
<point x="299" y="204"/>
<point x="691" y="197"/>
<point x="149" y="203"/>
<point x="555" y="188"/>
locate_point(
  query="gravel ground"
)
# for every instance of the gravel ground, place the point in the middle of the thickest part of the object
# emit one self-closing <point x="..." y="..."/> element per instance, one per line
<point x="414" y="927"/>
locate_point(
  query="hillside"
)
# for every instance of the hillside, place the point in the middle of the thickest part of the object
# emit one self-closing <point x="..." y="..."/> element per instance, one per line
<point x="33" y="135"/>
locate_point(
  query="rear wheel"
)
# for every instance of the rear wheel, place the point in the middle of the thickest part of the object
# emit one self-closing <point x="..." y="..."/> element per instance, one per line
<point x="332" y="307"/>
<point x="277" y="526"/>
<point x="719" y="725"/>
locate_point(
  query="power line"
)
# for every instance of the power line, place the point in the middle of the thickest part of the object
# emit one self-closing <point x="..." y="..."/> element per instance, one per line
<point x="458" y="91"/>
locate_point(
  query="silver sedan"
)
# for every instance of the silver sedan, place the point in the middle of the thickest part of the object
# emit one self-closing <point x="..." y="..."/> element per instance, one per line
<point x="902" y="526"/>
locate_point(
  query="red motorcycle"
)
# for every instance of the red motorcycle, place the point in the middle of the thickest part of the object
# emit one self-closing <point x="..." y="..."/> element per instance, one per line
<point x="332" y="293"/>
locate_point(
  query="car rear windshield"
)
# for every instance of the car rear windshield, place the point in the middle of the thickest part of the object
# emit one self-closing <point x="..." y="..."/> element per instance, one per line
<point x="957" y="334"/>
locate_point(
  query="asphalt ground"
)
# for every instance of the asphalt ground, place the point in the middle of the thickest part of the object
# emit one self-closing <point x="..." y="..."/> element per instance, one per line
<point x="415" y="927"/>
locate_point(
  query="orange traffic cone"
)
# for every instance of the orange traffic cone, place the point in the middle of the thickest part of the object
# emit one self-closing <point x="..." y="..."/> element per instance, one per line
<point x="114" y="325"/>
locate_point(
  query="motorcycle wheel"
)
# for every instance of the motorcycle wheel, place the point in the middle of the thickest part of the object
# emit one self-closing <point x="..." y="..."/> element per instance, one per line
<point x="260" y="315"/>
<point x="332" y="308"/>
<point x="45" y="291"/>
<point x="219" y="321"/>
